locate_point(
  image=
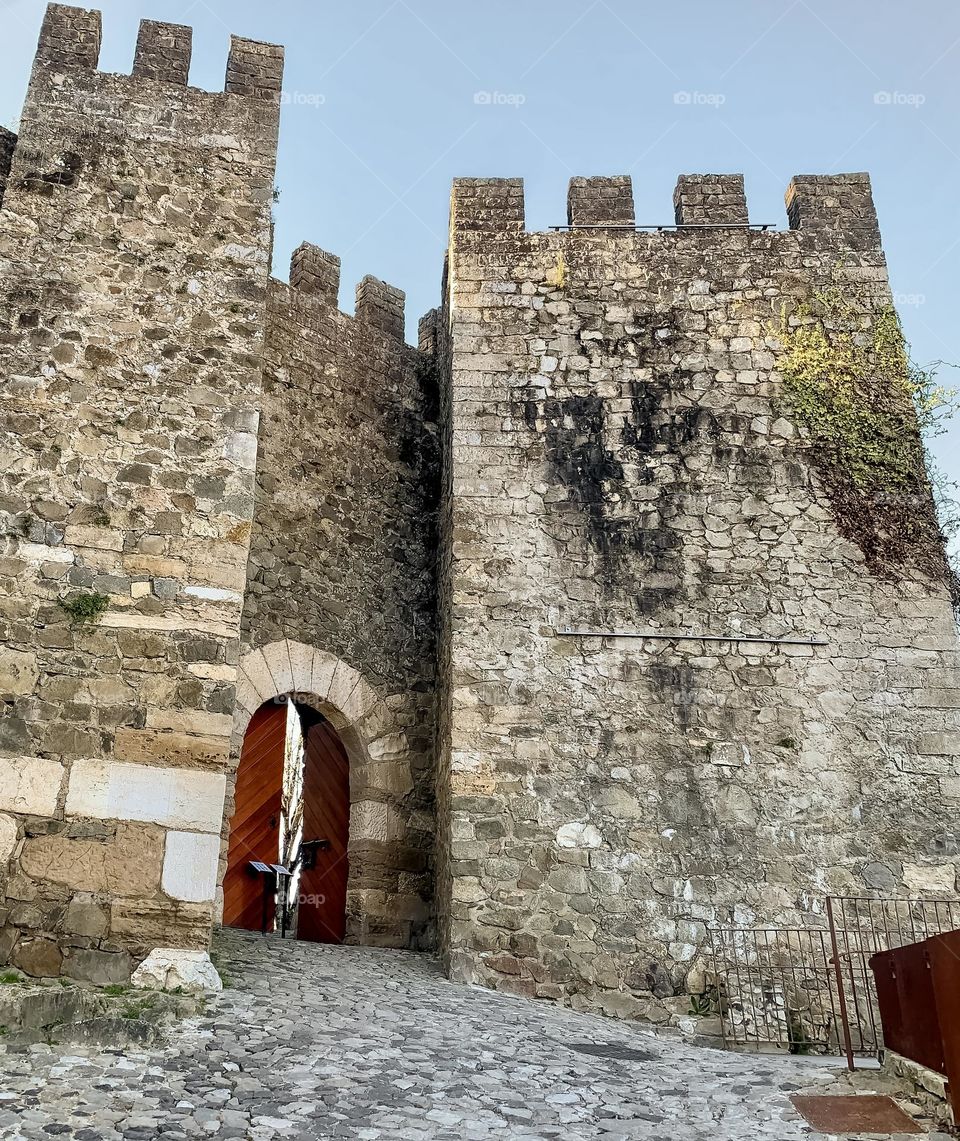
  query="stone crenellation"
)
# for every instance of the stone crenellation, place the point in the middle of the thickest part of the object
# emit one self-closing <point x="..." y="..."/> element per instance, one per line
<point x="570" y="578"/>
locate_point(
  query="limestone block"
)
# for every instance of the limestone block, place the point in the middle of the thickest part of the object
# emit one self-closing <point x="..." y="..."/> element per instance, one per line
<point x="8" y="839"/>
<point x="18" y="672"/>
<point x="577" y="835"/>
<point x="255" y="669"/>
<point x="940" y="879"/>
<point x="30" y="785"/>
<point x="278" y="663"/>
<point x="301" y="666"/>
<point x="344" y="681"/>
<point x="176" y="798"/>
<point x="149" y="923"/>
<point x="191" y="721"/>
<point x="324" y="666"/>
<point x="370" y="820"/>
<point x="170" y="748"/>
<point x="190" y="866"/>
<point x="129" y="864"/>
<point x="170" y="969"/>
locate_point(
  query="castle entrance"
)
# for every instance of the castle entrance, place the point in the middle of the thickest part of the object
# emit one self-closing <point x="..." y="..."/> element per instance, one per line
<point x="292" y="808"/>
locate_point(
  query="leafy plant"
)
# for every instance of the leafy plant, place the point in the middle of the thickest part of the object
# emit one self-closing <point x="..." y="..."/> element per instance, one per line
<point x="706" y="1004"/>
<point x="85" y="609"/>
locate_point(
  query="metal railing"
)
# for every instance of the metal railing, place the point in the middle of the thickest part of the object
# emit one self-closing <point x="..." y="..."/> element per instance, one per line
<point x="811" y="989"/>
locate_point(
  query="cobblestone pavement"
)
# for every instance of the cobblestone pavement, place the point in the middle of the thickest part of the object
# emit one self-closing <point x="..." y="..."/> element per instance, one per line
<point x="316" y="1042"/>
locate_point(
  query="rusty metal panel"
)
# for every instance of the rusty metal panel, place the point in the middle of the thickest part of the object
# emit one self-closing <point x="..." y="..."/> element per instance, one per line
<point x="945" y="972"/>
<point x="863" y="1113"/>
<point x="908" y="1007"/>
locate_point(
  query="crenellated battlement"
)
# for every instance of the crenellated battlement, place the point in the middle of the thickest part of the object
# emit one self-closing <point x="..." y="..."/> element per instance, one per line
<point x="828" y="209"/>
<point x="316" y="273"/>
<point x="712" y="199"/>
<point x="600" y="201"/>
<point x="70" y="41"/>
<point x="163" y="52"/>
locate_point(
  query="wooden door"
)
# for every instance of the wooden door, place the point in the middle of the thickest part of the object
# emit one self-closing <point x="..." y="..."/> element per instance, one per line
<point x="322" y="906"/>
<point x="255" y="827"/>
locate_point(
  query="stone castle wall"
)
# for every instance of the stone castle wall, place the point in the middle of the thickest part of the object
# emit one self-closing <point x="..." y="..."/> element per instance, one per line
<point x="623" y="459"/>
<point x="134" y="260"/>
<point x="342" y="558"/>
<point x="610" y="659"/>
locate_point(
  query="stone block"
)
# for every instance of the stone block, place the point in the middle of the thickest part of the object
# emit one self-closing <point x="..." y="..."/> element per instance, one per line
<point x="175" y="798"/>
<point x="8" y="839"/>
<point x="171" y="969"/>
<point x="937" y="879"/>
<point x="190" y="866"/>
<point x="18" y="672"/>
<point x="149" y="923"/>
<point x="39" y="958"/>
<point x="30" y="785"/>
<point x="102" y="968"/>
<point x="84" y="916"/>
<point x="129" y="864"/>
<point x="154" y="745"/>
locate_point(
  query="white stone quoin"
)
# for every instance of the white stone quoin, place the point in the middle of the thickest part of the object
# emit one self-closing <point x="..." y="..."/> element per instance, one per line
<point x="166" y="968"/>
<point x="30" y="785"/>
<point x="177" y="798"/>
<point x="190" y="866"/>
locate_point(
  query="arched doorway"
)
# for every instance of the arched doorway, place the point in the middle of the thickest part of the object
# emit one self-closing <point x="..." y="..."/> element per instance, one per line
<point x="291" y="808"/>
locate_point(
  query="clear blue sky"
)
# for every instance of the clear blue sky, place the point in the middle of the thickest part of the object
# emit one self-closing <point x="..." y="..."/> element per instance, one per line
<point x="382" y="114"/>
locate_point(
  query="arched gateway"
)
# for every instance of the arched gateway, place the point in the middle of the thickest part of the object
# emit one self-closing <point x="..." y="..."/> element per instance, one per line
<point x="310" y="730"/>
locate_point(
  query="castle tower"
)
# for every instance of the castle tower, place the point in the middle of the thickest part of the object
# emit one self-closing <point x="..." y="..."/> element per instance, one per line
<point x="700" y="660"/>
<point x="134" y="258"/>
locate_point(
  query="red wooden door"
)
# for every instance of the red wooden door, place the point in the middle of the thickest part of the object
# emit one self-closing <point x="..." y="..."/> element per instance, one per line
<point x="255" y="827"/>
<point x="322" y="907"/>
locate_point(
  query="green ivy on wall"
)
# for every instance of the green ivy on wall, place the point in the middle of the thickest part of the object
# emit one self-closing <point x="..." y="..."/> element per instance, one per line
<point x="865" y="405"/>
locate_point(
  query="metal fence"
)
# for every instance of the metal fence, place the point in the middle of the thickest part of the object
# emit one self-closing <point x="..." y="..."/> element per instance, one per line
<point x="810" y="990"/>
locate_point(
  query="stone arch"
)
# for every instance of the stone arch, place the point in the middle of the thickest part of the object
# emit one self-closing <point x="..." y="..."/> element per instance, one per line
<point x="380" y="770"/>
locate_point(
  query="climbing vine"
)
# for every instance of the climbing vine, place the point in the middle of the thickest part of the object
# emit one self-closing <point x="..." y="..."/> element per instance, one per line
<point x="866" y="406"/>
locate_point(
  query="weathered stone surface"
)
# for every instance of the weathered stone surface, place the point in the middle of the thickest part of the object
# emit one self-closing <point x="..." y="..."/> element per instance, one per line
<point x="18" y="671"/>
<point x="84" y="916"/>
<point x="9" y="829"/>
<point x="624" y="458"/>
<point x="133" y="285"/>
<point x="174" y="797"/>
<point x="29" y="785"/>
<point x="102" y="968"/>
<point x="170" y="969"/>
<point x="143" y="924"/>
<point x="260" y="495"/>
<point x="39" y="958"/>
<point x="128" y="864"/>
<point x="190" y="866"/>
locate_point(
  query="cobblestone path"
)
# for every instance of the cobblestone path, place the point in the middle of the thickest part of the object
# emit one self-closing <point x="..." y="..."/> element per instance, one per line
<point x="316" y="1042"/>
